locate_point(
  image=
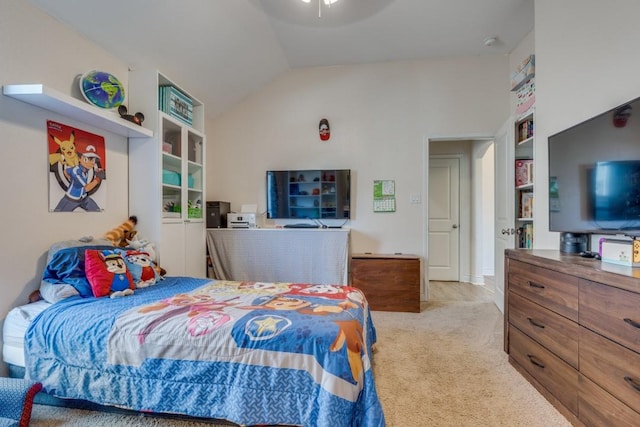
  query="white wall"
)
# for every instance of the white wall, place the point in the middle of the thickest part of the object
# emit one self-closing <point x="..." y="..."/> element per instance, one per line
<point x="36" y="49"/>
<point x="380" y="116"/>
<point x="586" y="63"/>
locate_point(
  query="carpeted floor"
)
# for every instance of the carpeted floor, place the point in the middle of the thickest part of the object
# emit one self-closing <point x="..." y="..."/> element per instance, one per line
<point x="441" y="367"/>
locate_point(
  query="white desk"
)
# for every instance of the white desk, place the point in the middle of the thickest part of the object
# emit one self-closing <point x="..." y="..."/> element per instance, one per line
<point x="318" y="256"/>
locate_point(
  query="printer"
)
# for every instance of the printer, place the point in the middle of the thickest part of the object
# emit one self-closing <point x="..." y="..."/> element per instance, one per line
<point x="241" y="220"/>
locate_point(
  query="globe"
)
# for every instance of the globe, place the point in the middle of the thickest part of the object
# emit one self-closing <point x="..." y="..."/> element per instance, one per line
<point x="102" y="89"/>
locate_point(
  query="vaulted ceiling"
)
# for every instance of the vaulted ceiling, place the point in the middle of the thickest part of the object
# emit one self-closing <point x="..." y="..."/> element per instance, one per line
<point x="223" y="50"/>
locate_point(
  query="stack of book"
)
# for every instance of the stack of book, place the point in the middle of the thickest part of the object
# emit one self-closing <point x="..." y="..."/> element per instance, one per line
<point x="176" y="104"/>
<point x="525" y="236"/>
<point x="526" y="204"/>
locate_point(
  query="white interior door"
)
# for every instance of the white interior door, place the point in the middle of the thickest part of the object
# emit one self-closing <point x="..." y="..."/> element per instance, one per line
<point x="504" y="208"/>
<point x="444" y="219"/>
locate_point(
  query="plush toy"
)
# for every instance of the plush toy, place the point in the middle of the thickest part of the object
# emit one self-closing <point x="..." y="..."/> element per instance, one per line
<point x="142" y="268"/>
<point x="136" y="118"/>
<point x="107" y="273"/>
<point x="143" y="245"/>
<point x="118" y="234"/>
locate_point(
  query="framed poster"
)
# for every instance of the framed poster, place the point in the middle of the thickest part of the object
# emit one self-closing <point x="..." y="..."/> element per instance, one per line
<point x="384" y="196"/>
<point x="77" y="169"/>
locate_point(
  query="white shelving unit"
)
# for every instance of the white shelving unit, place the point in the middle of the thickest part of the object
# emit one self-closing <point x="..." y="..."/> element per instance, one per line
<point x="50" y="99"/>
<point x="167" y="178"/>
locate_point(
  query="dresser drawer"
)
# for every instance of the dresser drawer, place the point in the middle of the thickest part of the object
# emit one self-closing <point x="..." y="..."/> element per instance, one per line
<point x="556" y="376"/>
<point x="555" y="332"/>
<point x="554" y="290"/>
<point x="615" y="368"/>
<point x="612" y="312"/>
<point x="597" y="408"/>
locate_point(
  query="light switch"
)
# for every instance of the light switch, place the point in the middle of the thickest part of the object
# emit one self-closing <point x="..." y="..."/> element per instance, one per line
<point x="415" y="198"/>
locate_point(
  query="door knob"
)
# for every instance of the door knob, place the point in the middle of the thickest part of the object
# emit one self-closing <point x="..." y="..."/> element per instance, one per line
<point x="454" y="226"/>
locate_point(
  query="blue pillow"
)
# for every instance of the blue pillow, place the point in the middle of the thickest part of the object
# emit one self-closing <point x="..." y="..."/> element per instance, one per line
<point x="66" y="267"/>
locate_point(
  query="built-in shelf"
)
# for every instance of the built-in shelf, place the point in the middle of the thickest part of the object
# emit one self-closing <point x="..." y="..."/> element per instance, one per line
<point x="50" y="99"/>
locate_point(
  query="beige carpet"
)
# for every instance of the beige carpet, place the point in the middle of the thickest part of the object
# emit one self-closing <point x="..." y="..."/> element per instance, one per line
<point x="441" y="367"/>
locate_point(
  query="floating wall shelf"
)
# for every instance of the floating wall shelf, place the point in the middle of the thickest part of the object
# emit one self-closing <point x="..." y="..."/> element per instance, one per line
<point x="50" y="99"/>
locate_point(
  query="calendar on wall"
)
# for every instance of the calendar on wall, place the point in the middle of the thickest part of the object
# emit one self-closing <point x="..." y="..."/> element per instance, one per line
<point x="384" y="196"/>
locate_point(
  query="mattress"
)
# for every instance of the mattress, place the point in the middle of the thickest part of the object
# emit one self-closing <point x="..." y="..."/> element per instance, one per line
<point x="15" y="326"/>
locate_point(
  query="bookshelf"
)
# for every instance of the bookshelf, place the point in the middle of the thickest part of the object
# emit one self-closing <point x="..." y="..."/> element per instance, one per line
<point x="523" y="172"/>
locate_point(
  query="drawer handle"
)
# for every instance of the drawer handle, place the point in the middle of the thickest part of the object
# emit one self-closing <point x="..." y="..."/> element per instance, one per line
<point x="632" y="322"/>
<point x="535" y="361"/>
<point x="534" y="323"/>
<point x="535" y="285"/>
<point x="632" y="383"/>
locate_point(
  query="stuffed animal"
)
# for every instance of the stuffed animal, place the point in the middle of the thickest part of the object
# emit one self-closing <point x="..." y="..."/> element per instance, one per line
<point x="143" y="245"/>
<point x="142" y="268"/>
<point x="118" y="234"/>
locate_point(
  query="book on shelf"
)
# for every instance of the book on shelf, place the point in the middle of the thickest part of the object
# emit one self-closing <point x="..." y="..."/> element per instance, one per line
<point x="525" y="236"/>
<point x="526" y="204"/>
<point x="524" y="172"/>
<point x="525" y="130"/>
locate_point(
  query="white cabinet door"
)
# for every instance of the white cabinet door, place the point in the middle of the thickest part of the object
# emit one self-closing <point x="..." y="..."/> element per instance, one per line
<point x="172" y="248"/>
<point x="195" y="252"/>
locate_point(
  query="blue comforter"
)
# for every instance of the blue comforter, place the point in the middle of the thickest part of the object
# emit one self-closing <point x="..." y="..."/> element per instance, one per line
<point x="249" y="352"/>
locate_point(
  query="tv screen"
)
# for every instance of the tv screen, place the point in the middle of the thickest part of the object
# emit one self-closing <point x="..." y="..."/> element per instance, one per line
<point x="309" y="194"/>
<point x="617" y="191"/>
<point x="593" y="169"/>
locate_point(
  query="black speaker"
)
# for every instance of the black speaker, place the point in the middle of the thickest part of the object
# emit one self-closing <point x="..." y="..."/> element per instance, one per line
<point x="217" y="214"/>
<point x="574" y="243"/>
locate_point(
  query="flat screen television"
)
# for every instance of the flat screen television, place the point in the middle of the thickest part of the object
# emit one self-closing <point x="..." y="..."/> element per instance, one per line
<point x="594" y="174"/>
<point x="309" y="194"/>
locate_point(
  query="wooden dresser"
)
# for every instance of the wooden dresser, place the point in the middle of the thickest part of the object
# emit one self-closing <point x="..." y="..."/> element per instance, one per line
<point x="572" y="329"/>
<point x="390" y="282"/>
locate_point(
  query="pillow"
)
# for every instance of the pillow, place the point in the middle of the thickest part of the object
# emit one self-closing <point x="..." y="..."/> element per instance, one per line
<point x="107" y="272"/>
<point x="64" y="275"/>
<point x="142" y="268"/>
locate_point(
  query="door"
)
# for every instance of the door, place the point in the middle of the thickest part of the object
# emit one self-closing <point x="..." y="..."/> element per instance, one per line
<point x="444" y="218"/>
<point x="504" y="205"/>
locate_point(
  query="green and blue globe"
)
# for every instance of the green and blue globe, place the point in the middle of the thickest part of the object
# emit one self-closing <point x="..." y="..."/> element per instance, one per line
<point x="102" y="89"/>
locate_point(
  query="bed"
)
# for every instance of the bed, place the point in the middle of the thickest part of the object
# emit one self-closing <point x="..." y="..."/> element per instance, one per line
<point x="247" y="352"/>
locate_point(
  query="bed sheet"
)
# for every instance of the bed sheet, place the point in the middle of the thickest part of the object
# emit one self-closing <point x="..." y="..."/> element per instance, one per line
<point x="14" y="328"/>
<point x="249" y="352"/>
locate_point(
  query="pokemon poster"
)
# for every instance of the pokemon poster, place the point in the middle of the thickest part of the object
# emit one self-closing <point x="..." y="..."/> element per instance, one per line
<point x="77" y="169"/>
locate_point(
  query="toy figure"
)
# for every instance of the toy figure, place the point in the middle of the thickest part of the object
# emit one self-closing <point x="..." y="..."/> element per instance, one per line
<point x="121" y="283"/>
<point x="141" y="261"/>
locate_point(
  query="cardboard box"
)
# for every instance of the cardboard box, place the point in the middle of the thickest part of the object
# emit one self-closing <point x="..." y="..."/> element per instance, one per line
<point x="618" y="251"/>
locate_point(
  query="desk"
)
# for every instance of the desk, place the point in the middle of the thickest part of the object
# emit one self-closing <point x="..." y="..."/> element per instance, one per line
<point x="318" y="256"/>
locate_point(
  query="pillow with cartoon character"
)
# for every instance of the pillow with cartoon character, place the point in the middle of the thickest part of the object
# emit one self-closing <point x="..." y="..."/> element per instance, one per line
<point x="64" y="273"/>
<point x="142" y="268"/>
<point x="107" y="273"/>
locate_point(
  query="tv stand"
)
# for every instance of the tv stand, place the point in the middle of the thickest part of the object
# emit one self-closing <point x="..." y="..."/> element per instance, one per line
<point x="299" y="255"/>
<point x="572" y="330"/>
<point x="574" y="243"/>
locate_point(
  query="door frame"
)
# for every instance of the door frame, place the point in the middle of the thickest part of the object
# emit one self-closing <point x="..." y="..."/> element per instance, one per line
<point x="469" y="255"/>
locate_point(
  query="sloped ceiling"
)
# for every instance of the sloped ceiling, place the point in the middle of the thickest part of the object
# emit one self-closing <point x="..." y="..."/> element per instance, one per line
<point x="223" y="50"/>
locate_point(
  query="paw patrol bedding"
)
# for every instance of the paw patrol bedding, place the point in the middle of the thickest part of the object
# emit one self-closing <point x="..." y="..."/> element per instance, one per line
<point x="248" y="352"/>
